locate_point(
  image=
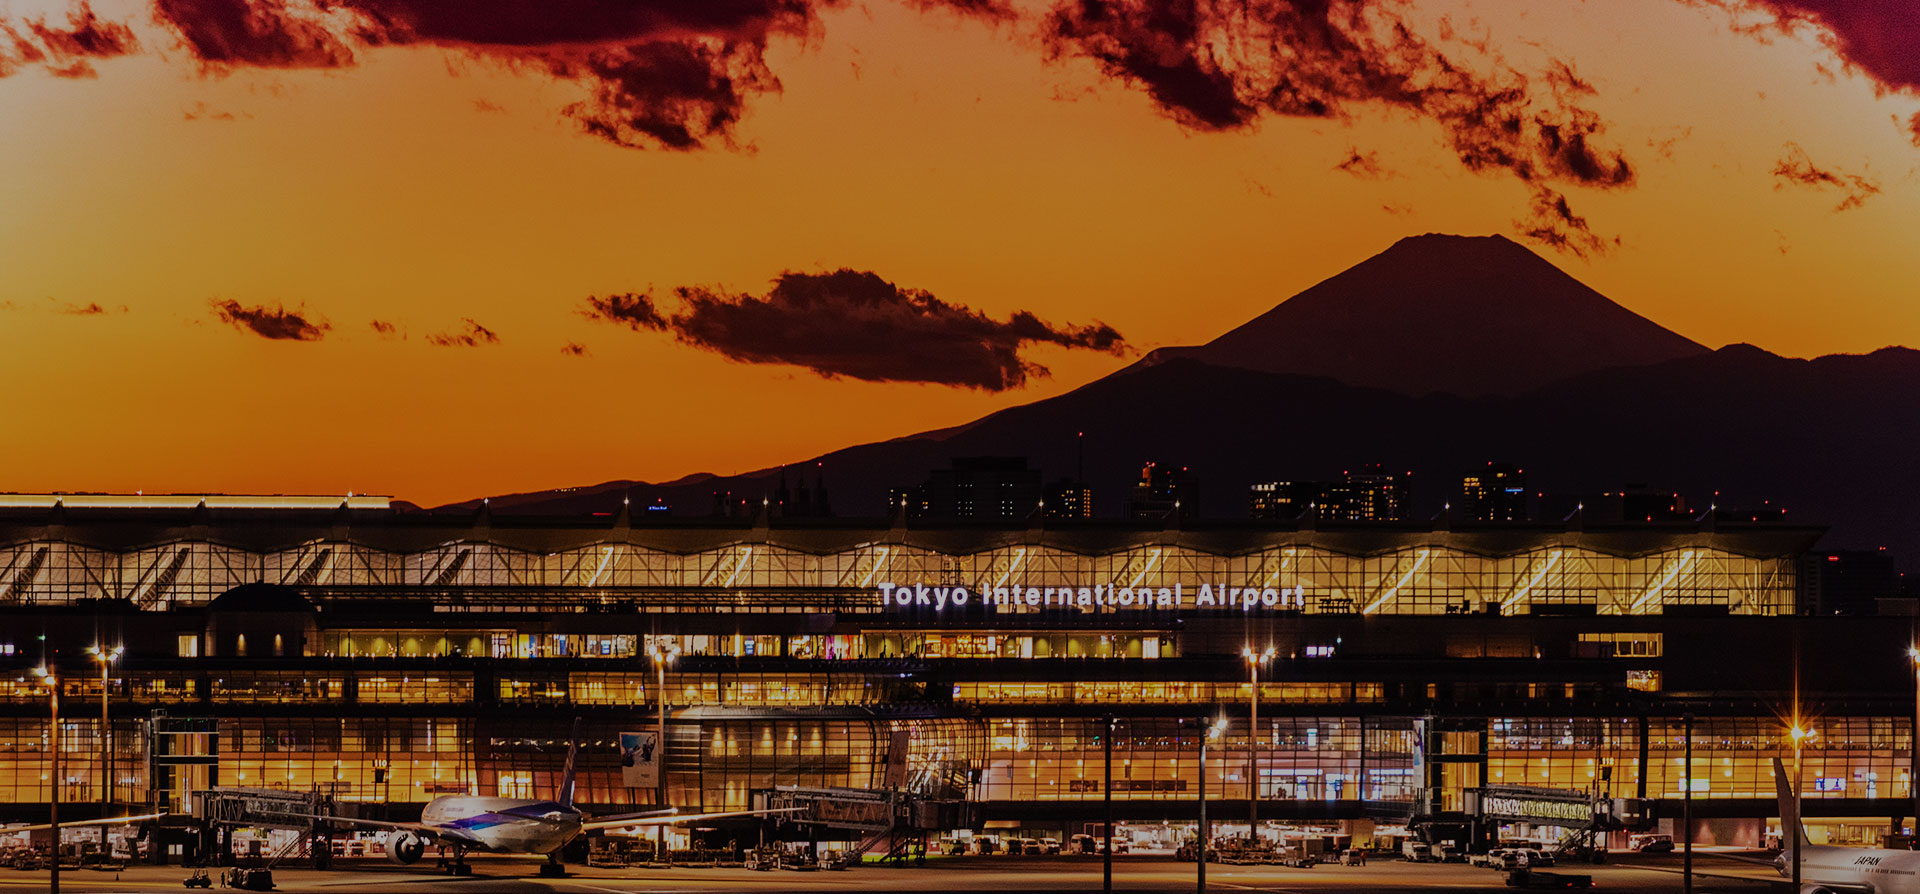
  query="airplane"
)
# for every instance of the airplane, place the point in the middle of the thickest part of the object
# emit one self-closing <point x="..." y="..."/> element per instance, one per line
<point x="462" y="823"/>
<point x="1827" y="869"/>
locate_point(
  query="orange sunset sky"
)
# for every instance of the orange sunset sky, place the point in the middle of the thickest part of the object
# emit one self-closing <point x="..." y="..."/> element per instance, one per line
<point x="956" y="148"/>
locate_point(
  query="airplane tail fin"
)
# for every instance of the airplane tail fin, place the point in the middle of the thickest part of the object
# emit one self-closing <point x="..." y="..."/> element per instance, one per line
<point x="566" y="777"/>
<point x="1789" y="805"/>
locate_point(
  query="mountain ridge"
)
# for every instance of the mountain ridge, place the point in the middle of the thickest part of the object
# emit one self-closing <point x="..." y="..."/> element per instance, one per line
<point x="1822" y="436"/>
<point x="1465" y="314"/>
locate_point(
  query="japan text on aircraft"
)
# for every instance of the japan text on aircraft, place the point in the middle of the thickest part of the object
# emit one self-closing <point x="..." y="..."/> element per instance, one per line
<point x="1177" y="596"/>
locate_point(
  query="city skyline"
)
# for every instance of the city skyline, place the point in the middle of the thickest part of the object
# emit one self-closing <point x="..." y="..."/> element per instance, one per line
<point x="187" y="201"/>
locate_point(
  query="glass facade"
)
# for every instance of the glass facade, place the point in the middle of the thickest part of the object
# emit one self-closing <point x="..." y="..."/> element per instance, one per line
<point x="396" y="665"/>
<point x="1419" y="575"/>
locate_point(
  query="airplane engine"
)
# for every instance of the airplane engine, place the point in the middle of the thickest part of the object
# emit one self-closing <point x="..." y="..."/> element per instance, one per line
<point x="405" y="847"/>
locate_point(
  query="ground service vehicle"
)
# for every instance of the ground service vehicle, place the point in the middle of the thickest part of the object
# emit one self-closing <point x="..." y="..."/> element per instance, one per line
<point x="1651" y="843"/>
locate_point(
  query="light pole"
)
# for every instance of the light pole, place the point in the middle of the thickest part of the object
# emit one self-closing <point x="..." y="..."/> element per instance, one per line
<point x="106" y="658"/>
<point x="1254" y="660"/>
<point x="662" y="653"/>
<point x="1686" y="812"/>
<point x="1913" y="749"/>
<point x="1799" y="736"/>
<point x="53" y="790"/>
<point x="1213" y="732"/>
<point x="1106" y="871"/>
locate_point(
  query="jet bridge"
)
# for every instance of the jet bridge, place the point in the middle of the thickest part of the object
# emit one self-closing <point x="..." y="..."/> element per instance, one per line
<point x="221" y="810"/>
<point x="876" y="817"/>
<point x="1585" y="815"/>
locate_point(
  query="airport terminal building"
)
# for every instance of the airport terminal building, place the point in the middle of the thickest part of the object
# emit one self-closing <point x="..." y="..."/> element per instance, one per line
<point x="386" y="657"/>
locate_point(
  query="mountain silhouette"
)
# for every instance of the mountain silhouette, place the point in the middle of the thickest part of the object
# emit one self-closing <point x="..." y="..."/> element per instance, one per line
<point x="1825" y="438"/>
<point x="1469" y="315"/>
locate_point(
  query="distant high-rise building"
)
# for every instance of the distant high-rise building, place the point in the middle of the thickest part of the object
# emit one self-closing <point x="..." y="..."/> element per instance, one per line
<point x="1164" y="492"/>
<point x="801" y="501"/>
<point x="1848" y="582"/>
<point x="1495" y="493"/>
<point x="1282" y="500"/>
<point x="974" y="488"/>
<point x="1067" y="498"/>
<point x="727" y="504"/>
<point x="1372" y="494"/>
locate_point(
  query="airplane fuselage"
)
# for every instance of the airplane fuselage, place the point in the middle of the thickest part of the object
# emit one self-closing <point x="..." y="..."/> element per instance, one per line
<point x="505" y="825"/>
<point x="1884" y="871"/>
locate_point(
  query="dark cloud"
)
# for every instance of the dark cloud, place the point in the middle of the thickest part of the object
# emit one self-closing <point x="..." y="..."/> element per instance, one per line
<point x="276" y="322"/>
<point x="1551" y="222"/>
<point x="1796" y="169"/>
<point x="472" y="335"/>
<point x="253" y="33"/>
<point x="384" y="328"/>
<point x="550" y="23"/>
<point x="1227" y="64"/>
<point x="1876" y="37"/>
<point x="1365" y="165"/>
<point x="633" y="309"/>
<point x="673" y="74"/>
<point x="1913" y="125"/>
<point x="485" y="105"/>
<point x="671" y="94"/>
<point x="90" y="309"/>
<point x="1565" y="81"/>
<point x="853" y="323"/>
<point x="574" y="349"/>
<point x="64" y="51"/>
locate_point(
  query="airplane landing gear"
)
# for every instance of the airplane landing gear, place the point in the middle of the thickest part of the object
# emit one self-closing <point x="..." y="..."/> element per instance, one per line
<point x="553" y="868"/>
<point x="458" y="865"/>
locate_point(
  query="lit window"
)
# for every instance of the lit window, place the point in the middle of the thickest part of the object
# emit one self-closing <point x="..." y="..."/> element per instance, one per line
<point x="189" y="646"/>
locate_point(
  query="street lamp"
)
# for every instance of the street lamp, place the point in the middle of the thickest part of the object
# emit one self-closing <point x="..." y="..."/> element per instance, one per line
<point x="53" y="797"/>
<point x="1913" y="749"/>
<point x="1106" y="866"/>
<point x="662" y="652"/>
<point x="106" y="658"/>
<point x="1800" y="737"/>
<point x="1213" y="732"/>
<point x="1254" y="660"/>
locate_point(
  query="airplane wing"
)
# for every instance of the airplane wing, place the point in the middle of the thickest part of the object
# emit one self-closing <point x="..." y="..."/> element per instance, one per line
<point x="675" y="819"/>
<point x="109" y="821"/>
<point x="644" y="814"/>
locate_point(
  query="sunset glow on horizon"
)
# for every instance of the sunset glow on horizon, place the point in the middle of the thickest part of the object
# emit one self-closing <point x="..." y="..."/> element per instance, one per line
<point x="376" y="277"/>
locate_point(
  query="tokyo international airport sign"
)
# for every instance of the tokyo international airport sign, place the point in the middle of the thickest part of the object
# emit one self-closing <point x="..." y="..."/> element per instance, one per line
<point x="1104" y="596"/>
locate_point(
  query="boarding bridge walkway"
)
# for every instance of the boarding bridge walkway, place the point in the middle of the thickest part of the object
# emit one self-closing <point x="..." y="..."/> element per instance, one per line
<point x="893" y="819"/>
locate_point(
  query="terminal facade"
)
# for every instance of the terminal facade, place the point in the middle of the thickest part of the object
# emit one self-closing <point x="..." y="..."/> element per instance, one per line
<point x="387" y="657"/>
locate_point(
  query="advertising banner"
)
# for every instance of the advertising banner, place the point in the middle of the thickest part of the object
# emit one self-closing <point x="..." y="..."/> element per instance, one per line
<point x="640" y="760"/>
